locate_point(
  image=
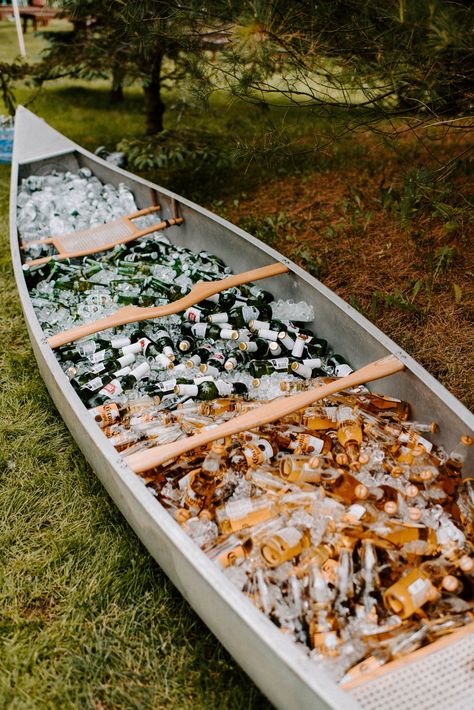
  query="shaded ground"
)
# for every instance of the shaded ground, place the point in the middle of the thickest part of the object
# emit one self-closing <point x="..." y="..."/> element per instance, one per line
<point x="414" y="280"/>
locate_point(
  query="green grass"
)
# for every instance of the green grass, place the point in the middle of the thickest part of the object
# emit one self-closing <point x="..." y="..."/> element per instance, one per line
<point x="87" y="617"/>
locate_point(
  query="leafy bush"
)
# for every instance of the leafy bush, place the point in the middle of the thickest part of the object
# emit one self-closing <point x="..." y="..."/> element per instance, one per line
<point x="177" y="149"/>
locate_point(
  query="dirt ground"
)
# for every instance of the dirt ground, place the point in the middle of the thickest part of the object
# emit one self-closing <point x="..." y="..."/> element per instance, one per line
<point x="414" y="280"/>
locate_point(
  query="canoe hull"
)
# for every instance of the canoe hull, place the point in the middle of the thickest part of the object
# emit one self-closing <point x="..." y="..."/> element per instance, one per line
<point x="283" y="672"/>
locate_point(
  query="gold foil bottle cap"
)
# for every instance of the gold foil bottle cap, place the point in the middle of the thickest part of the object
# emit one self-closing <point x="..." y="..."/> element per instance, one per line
<point x="396" y="471"/>
<point x="390" y="507"/>
<point x="414" y="514"/>
<point x="182" y="515"/>
<point x="450" y="583"/>
<point x="467" y="440"/>
<point x="361" y="491"/>
<point x="426" y="475"/>
<point x="411" y="491"/>
<point x="466" y="563"/>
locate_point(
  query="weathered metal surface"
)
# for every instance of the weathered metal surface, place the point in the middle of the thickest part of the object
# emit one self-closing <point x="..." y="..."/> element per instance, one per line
<point x="282" y="671"/>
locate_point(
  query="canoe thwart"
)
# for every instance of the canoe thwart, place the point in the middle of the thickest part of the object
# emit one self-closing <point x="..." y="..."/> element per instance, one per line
<point x="135" y="314"/>
<point x="267" y="413"/>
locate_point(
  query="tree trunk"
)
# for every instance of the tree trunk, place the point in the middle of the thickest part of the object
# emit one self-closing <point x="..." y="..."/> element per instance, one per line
<point x="154" y="106"/>
<point x="116" y="90"/>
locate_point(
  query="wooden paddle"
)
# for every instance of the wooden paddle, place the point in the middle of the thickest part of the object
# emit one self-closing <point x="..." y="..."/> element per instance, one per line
<point x="134" y="314"/>
<point x="94" y="239"/>
<point x="277" y="408"/>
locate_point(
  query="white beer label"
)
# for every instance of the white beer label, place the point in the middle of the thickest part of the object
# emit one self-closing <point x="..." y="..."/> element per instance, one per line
<point x="161" y="334"/>
<point x="298" y="347"/>
<point x="119" y="342"/>
<point x="291" y="536"/>
<point x="165" y="386"/>
<point x="199" y="330"/>
<point x="343" y="370"/>
<point x="122" y="372"/>
<point x="313" y="362"/>
<point x="133" y="348"/>
<point x="94" y="384"/>
<point x="141" y="371"/>
<point x="112" y="389"/>
<point x="267" y="334"/>
<point x="287" y="341"/>
<point x="193" y="315"/>
<point x="218" y="318"/>
<point x="229" y="334"/>
<point x="126" y="360"/>
<point x="98" y="367"/>
<point x="419" y="591"/>
<point x="191" y="390"/>
<point x="98" y="356"/>
<point x="280" y="363"/>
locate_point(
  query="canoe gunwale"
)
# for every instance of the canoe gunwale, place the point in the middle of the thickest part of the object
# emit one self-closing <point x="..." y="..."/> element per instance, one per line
<point x="296" y="683"/>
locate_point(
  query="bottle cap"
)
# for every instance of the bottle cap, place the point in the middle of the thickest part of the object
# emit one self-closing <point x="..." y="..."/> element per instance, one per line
<point x="390" y="507"/>
<point x="450" y="583"/>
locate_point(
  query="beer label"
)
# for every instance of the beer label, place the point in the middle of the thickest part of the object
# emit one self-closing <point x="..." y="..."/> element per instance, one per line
<point x="98" y="356"/>
<point x="220" y="357"/>
<point x="307" y="444"/>
<point x="112" y="389"/>
<point x="193" y="315"/>
<point x="94" y="384"/>
<point x="290" y="536"/>
<point x="267" y="334"/>
<point x="108" y="413"/>
<point x="302" y="370"/>
<point x="343" y="370"/>
<point x="288" y="342"/>
<point x="313" y="362"/>
<point x="218" y="318"/>
<point x="98" y="367"/>
<point x="133" y="347"/>
<point x="190" y="390"/>
<point x="280" y="363"/>
<point x="126" y="360"/>
<point x="298" y="347"/>
<point x="162" y="360"/>
<point x="119" y="342"/>
<point x="419" y="591"/>
<point x="165" y="386"/>
<point x="122" y="372"/>
<point x="229" y="334"/>
<point x="356" y="511"/>
<point x="161" y="334"/>
<point x="141" y="371"/>
<point x="199" y="330"/>
<point x="259" y="452"/>
<point x="248" y="347"/>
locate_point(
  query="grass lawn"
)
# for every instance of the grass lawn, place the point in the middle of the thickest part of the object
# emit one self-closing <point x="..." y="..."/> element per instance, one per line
<point x="87" y="619"/>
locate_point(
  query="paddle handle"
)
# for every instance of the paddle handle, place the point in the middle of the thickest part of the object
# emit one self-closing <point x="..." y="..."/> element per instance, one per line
<point x="135" y="314"/>
<point x="276" y="409"/>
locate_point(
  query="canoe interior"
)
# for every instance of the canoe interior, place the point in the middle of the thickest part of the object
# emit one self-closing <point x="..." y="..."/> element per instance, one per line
<point x="346" y="330"/>
<point x="282" y="671"/>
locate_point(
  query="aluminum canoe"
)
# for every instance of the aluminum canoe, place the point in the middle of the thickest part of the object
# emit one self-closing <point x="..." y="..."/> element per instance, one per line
<point x="427" y="679"/>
